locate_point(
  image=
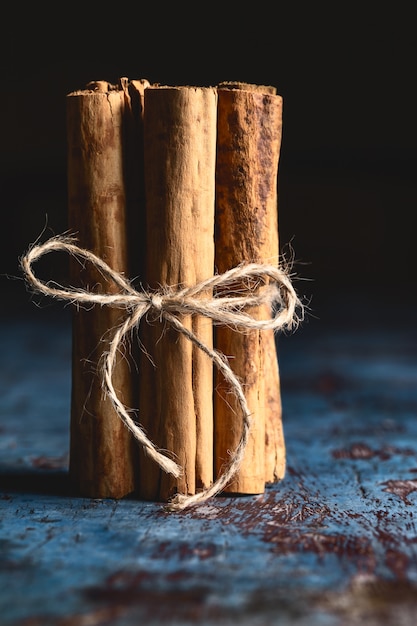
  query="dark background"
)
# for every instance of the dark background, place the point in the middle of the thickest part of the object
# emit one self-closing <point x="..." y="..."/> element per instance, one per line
<point x="347" y="183"/>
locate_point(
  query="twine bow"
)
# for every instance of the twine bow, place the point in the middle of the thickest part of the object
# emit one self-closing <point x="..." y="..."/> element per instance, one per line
<point x="170" y="304"/>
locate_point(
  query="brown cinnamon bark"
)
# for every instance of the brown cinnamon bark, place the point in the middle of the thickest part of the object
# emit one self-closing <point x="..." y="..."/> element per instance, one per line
<point x="249" y="140"/>
<point x="102" y="451"/>
<point x="229" y="84"/>
<point x="176" y="407"/>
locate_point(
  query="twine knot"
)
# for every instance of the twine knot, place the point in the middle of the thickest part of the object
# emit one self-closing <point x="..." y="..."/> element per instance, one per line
<point x="259" y="284"/>
<point x="157" y="302"/>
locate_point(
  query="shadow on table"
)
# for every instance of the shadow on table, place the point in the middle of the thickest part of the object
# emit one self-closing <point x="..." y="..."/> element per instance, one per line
<point x="53" y="482"/>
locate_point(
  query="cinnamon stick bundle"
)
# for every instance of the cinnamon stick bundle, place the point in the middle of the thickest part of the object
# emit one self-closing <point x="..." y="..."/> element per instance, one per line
<point x="102" y="451"/>
<point x="186" y="179"/>
<point x="248" y="148"/>
<point x="176" y="388"/>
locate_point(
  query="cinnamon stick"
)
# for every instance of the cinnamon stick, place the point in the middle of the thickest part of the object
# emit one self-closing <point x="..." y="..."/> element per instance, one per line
<point x="176" y="407"/>
<point x="102" y="451"/>
<point x="249" y="140"/>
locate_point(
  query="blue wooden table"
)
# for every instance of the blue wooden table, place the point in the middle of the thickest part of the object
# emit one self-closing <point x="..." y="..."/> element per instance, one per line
<point x="334" y="543"/>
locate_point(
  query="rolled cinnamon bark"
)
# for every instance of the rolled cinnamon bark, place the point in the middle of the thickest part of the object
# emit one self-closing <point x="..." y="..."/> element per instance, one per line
<point x="102" y="450"/>
<point x="176" y="407"/>
<point x="248" y="148"/>
<point x="230" y="84"/>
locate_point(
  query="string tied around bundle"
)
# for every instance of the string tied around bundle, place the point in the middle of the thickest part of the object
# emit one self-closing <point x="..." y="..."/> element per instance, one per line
<point x="264" y="284"/>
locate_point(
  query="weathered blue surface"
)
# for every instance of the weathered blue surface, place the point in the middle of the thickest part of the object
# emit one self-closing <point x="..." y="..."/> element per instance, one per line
<point x="334" y="543"/>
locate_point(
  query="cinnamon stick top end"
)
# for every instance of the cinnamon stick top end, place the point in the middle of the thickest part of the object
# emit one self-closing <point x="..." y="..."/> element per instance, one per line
<point x="242" y="86"/>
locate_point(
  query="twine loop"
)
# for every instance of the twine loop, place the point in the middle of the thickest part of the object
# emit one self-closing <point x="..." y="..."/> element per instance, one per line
<point x="259" y="284"/>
